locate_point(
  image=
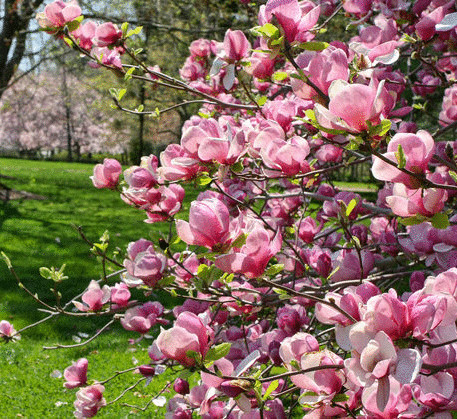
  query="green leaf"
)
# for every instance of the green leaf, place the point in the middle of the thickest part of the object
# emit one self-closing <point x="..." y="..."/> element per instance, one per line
<point x="262" y="100"/>
<point x="45" y="273"/>
<point x="124" y="27"/>
<point x="453" y="175"/>
<point x="204" y="179"/>
<point x="268" y="30"/>
<point x="105" y="236"/>
<point x="238" y="167"/>
<point x="274" y="269"/>
<point x="440" y="220"/>
<point x="408" y="38"/>
<point x="240" y="241"/>
<point x="68" y="41"/>
<point x="140" y="108"/>
<point x="218" y="352"/>
<point x="381" y="129"/>
<point x="350" y="207"/>
<point x="128" y="73"/>
<point x="313" y="46"/>
<point x="7" y="260"/>
<point x="272" y="387"/>
<point x="74" y="24"/>
<point x="410" y="221"/>
<point x="280" y="76"/>
<point x="400" y="156"/>
<point x="340" y="398"/>
<point x="121" y="94"/>
<point x="135" y="31"/>
<point x="310" y="115"/>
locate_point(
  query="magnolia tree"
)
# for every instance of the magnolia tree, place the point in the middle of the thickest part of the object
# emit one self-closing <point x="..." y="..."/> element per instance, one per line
<point x="296" y="298"/>
<point x="42" y="113"/>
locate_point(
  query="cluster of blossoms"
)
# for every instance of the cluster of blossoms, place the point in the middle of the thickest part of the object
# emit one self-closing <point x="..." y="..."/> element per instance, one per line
<point x="291" y="288"/>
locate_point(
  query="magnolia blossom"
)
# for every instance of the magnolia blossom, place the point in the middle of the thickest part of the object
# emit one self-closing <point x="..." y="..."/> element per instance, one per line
<point x="94" y="298"/>
<point x="417" y="151"/>
<point x="375" y="362"/>
<point x="144" y="264"/>
<point x="76" y="374"/>
<point x="252" y="258"/>
<point x="58" y="13"/>
<point x="209" y="225"/>
<point x="107" y="34"/>
<point x="236" y="45"/>
<point x="7" y="330"/>
<point x="187" y="334"/>
<point x="353" y="106"/>
<point x="89" y="400"/>
<point x="140" y="319"/>
<point x="106" y="175"/>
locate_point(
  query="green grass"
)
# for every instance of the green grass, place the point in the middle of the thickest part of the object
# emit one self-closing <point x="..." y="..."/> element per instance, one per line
<point x="40" y="233"/>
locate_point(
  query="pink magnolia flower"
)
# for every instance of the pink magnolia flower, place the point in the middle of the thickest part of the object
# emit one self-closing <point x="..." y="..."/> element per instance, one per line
<point x="178" y="164"/>
<point x="321" y="385"/>
<point x="322" y="68"/>
<point x="187" y="334"/>
<point x="208" y="142"/>
<point x="106" y="175"/>
<point x="407" y="202"/>
<point x="427" y="83"/>
<point x="209" y="225"/>
<point x="289" y="157"/>
<point x="94" y="298"/>
<point x="76" y="374"/>
<point x="385" y="312"/>
<point x="7" y="330"/>
<point x="434" y="391"/>
<point x="308" y="229"/>
<point x="262" y="66"/>
<point x="107" y="34"/>
<point x="89" y="400"/>
<point x="294" y="21"/>
<point x="418" y="150"/>
<point x="350" y="265"/>
<point x="236" y="45"/>
<point x="141" y="318"/>
<point x="448" y="113"/>
<point x="168" y="204"/>
<point x="200" y="48"/>
<point x="58" y="13"/>
<point x="253" y="257"/>
<point x="352" y="106"/>
<point x="425" y="27"/>
<point x="144" y="263"/>
<point x="85" y="34"/>
<point x="352" y="301"/>
<point x="387" y="398"/>
<point x="375" y="361"/>
<point x="357" y="7"/>
<point x="109" y="57"/>
<point x="426" y="312"/>
<point x="120" y="295"/>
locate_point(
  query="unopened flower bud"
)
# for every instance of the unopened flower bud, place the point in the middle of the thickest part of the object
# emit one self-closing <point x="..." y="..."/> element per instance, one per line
<point x="181" y="386"/>
<point x="147" y="370"/>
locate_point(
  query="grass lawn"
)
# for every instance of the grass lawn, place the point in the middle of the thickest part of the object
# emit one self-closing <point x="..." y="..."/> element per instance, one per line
<point x="40" y="233"/>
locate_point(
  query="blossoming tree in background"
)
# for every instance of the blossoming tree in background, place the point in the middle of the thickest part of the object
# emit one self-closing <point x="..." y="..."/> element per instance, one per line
<point x="291" y="290"/>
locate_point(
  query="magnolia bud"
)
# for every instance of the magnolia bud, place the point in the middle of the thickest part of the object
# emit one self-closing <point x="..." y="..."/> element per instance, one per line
<point x="181" y="386"/>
